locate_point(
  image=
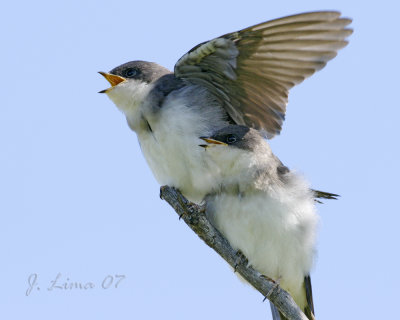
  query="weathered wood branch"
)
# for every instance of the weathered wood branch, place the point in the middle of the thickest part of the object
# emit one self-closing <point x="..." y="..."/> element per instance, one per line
<point x="195" y="217"/>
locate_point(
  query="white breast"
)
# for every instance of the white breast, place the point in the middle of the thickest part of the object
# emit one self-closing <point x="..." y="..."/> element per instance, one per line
<point x="172" y="147"/>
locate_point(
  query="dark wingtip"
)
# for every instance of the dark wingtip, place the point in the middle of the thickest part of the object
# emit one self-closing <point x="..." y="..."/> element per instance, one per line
<point x="325" y="195"/>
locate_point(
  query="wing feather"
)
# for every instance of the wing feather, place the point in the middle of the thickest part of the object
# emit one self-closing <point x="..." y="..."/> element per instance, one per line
<point x="251" y="71"/>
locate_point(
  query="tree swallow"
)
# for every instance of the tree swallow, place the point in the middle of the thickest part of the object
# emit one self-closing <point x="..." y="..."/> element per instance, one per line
<point x="264" y="210"/>
<point x="239" y="78"/>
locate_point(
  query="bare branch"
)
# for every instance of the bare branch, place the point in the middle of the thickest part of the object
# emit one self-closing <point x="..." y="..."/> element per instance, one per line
<point x="195" y="217"/>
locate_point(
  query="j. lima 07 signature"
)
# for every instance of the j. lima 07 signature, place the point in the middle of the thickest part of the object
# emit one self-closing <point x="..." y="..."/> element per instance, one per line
<point x="60" y="283"/>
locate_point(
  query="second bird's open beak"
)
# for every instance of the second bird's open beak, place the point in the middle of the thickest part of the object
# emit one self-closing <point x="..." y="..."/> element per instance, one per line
<point x="112" y="79"/>
<point x="211" y="143"/>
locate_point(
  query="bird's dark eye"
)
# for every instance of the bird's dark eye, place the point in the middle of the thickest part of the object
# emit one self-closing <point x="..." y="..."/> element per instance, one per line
<point x="230" y="138"/>
<point x="131" y="72"/>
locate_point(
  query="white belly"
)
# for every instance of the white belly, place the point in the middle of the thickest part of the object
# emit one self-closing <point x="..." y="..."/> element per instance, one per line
<point x="276" y="236"/>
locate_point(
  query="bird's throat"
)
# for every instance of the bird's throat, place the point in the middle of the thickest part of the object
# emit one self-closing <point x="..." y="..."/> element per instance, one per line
<point x="129" y="97"/>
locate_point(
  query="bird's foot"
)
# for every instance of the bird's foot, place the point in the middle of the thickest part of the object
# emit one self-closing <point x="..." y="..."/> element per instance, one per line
<point x="240" y="259"/>
<point x="274" y="287"/>
<point x="162" y="188"/>
<point x="185" y="207"/>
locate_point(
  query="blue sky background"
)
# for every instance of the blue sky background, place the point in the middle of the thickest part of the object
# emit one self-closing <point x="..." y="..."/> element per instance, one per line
<point x="77" y="198"/>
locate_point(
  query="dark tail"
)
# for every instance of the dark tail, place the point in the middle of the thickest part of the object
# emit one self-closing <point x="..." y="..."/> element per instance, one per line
<point x="309" y="308"/>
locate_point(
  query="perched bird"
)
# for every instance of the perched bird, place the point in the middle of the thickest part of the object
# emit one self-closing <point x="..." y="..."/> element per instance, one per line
<point x="239" y="78"/>
<point x="264" y="210"/>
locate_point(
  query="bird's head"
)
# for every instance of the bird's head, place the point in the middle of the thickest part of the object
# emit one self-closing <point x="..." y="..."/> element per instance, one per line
<point x="235" y="147"/>
<point x="131" y="82"/>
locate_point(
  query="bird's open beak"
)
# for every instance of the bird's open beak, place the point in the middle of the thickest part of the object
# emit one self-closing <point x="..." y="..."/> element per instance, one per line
<point x="211" y="143"/>
<point x="112" y="79"/>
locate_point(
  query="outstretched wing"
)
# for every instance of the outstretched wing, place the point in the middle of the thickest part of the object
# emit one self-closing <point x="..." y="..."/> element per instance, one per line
<point x="251" y="71"/>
